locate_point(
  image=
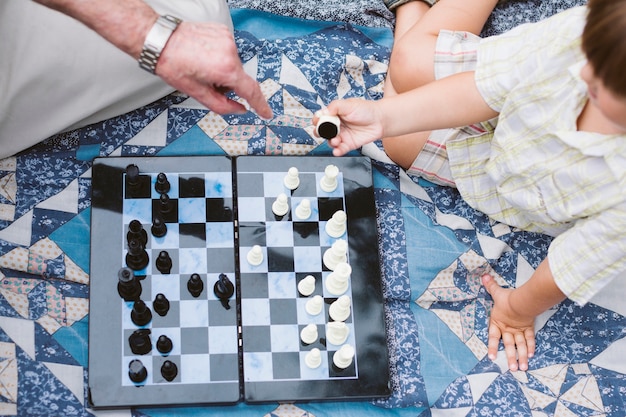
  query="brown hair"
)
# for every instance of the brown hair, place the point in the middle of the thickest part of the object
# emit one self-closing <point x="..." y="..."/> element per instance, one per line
<point x="604" y="42"/>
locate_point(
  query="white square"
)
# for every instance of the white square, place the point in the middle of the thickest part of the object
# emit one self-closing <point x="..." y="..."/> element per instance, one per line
<point x="194" y="313"/>
<point x="195" y="369"/>
<point x="223" y="339"/>
<point x="257" y="366"/>
<point x="251" y="209"/>
<point x="255" y="311"/>
<point x="192" y="260"/>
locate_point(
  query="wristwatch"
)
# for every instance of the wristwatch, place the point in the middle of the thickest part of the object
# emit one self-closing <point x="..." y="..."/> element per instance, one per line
<point x="156" y="40"/>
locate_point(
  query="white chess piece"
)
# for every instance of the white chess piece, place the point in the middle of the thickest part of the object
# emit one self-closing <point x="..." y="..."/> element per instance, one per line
<point x="303" y="211"/>
<point x="292" y="179"/>
<point x="336" y="225"/>
<point x="314" y="305"/>
<point x="306" y="286"/>
<point x="309" y="334"/>
<point x="339" y="310"/>
<point x="328" y="183"/>
<point x="337" y="253"/>
<point x="280" y="207"/>
<point x="337" y="281"/>
<point x="343" y="357"/>
<point x="255" y="255"/>
<point x="327" y="126"/>
<point x="313" y="358"/>
<point x="337" y="332"/>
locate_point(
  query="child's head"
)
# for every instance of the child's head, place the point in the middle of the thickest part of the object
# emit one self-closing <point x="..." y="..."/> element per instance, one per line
<point x="604" y="42"/>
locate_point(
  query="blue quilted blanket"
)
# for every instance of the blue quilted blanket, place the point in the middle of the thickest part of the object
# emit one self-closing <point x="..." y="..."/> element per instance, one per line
<point x="432" y="247"/>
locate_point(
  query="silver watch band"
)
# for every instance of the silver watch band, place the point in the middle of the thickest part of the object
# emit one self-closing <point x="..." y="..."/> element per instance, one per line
<point x="156" y="40"/>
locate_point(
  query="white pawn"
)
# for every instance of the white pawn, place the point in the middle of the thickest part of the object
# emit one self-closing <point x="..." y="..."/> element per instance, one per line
<point x="336" y="225"/>
<point x="314" y="305"/>
<point x="280" y="207"/>
<point x="337" y="281"/>
<point x="303" y="211"/>
<point x="343" y="357"/>
<point x="309" y="334"/>
<point x="255" y="255"/>
<point x="339" y="310"/>
<point x="306" y="286"/>
<point x="292" y="179"/>
<point x="313" y="358"/>
<point x="335" y="254"/>
<point x="337" y="332"/>
<point x="328" y="182"/>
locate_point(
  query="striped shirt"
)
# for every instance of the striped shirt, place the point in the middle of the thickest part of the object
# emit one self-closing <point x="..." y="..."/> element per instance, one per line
<point x="535" y="171"/>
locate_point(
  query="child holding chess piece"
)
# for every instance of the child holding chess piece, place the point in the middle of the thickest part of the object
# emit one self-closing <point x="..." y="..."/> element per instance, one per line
<point x="541" y="147"/>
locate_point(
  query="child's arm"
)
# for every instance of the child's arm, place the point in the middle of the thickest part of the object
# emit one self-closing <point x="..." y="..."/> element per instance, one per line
<point x="514" y="311"/>
<point x="450" y="102"/>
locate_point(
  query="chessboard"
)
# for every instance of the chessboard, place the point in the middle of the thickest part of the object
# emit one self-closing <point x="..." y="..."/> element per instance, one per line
<point x="218" y="279"/>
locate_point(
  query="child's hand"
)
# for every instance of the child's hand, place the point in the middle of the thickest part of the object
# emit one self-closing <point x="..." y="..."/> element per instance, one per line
<point x="516" y="331"/>
<point x="360" y="124"/>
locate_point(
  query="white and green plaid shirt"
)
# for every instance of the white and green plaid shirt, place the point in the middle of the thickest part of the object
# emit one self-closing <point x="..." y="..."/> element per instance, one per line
<point x="536" y="171"/>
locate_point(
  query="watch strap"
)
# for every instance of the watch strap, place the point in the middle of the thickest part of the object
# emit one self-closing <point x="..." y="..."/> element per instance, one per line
<point x="156" y="40"/>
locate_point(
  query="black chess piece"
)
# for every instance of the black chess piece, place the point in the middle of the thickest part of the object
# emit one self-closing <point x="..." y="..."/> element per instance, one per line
<point x="141" y="314"/>
<point x="132" y="175"/>
<point x="195" y="285"/>
<point x="137" y="257"/>
<point x="224" y="289"/>
<point x="165" y="204"/>
<point x="162" y="184"/>
<point x="169" y="370"/>
<point x="164" y="262"/>
<point x="137" y="232"/>
<point x="128" y="286"/>
<point x="137" y="372"/>
<point x="164" y="344"/>
<point x="140" y="342"/>
<point x="159" y="228"/>
<point x="161" y="305"/>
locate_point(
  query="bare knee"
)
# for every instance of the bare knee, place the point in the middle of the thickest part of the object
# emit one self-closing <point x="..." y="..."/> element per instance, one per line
<point x="411" y="63"/>
<point x="396" y="150"/>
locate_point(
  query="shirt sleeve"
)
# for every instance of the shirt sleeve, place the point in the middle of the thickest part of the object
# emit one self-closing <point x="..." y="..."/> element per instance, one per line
<point x="528" y="53"/>
<point x="591" y="254"/>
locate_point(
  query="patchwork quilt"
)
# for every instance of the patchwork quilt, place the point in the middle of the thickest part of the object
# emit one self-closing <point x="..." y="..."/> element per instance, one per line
<point x="433" y="248"/>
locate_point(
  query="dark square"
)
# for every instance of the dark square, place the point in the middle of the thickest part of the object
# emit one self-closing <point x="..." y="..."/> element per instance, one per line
<point x="224" y="367"/>
<point x="140" y="190"/>
<point x="170" y="319"/>
<point x="279" y="259"/>
<point x="194" y="340"/>
<point x="220" y="260"/>
<point x="252" y="233"/>
<point x="254" y="286"/>
<point x="157" y="362"/>
<point x="128" y="333"/>
<point x="306" y="234"/>
<point x="307" y="187"/>
<point x="269" y="213"/>
<point x="219" y="209"/>
<point x="327" y="206"/>
<point x="169" y="216"/>
<point x="286" y="365"/>
<point x="190" y="186"/>
<point x="318" y="283"/>
<point x="283" y="311"/>
<point x="184" y="290"/>
<point x="256" y="339"/>
<point x="192" y="235"/>
<point x="220" y="315"/>
<point x="320" y="343"/>
<point x="250" y="185"/>
<point x="154" y="256"/>
<point x="335" y="372"/>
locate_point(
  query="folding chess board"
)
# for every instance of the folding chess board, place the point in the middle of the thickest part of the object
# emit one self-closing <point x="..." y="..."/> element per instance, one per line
<point x="200" y="217"/>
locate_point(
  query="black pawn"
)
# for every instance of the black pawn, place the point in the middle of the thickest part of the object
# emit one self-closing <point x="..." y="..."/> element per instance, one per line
<point x="162" y="184"/>
<point x="141" y="314"/>
<point x="128" y="286"/>
<point x="164" y="344"/>
<point x="137" y="257"/>
<point x="132" y="175"/>
<point x="169" y="370"/>
<point x="164" y="262"/>
<point x="139" y="342"/>
<point x="161" y="305"/>
<point x="137" y="372"/>
<point x="195" y="285"/>
<point x="159" y="228"/>
<point x="224" y="289"/>
<point x="137" y="232"/>
<point x="165" y="204"/>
